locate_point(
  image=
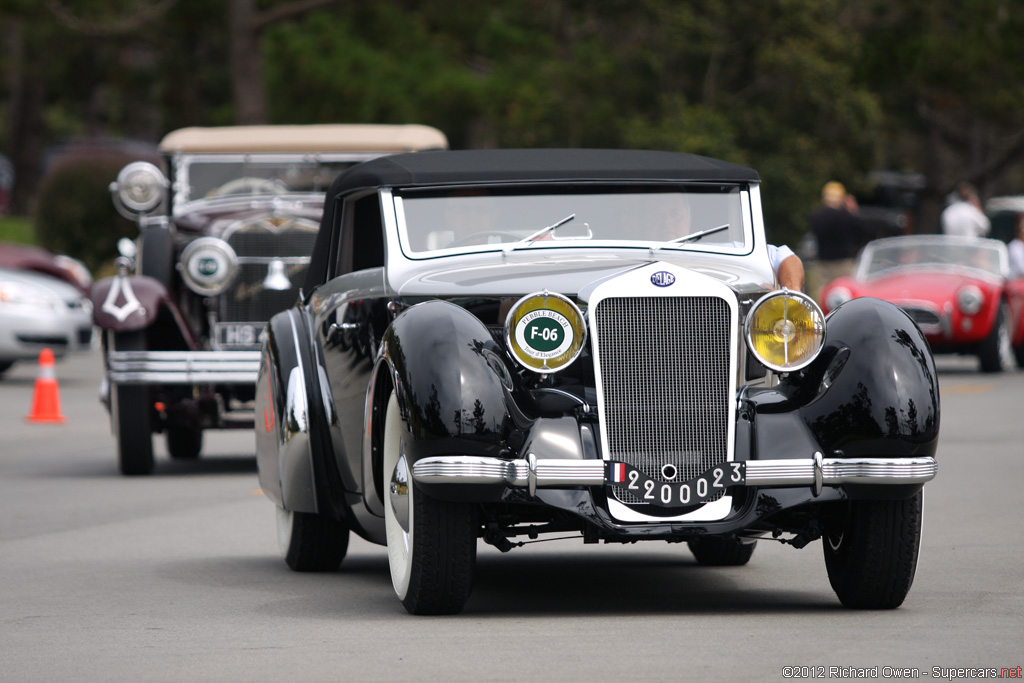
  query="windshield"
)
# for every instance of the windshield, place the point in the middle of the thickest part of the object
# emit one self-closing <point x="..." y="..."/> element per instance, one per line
<point x="912" y="253"/>
<point x="215" y="176"/>
<point x="436" y="223"/>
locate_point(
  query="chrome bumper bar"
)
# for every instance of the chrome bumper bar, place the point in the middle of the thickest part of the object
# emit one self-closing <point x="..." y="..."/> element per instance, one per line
<point x="183" y="367"/>
<point x="534" y="473"/>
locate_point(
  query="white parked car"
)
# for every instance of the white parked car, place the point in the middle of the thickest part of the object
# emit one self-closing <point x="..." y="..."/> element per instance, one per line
<point x="37" y="312"/>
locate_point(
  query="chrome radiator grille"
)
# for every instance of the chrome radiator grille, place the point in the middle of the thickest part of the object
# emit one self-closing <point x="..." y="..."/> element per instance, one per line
<point x="257" y="248"/>
<point x="664" y="368"/>
<point x="922" y="316"/>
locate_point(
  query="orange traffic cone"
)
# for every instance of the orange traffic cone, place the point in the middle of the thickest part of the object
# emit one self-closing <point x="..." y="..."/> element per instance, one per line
<point x="46" y="402"/>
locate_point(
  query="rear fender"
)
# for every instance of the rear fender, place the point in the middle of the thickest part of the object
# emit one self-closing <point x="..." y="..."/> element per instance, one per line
<point x="291" y="444"/>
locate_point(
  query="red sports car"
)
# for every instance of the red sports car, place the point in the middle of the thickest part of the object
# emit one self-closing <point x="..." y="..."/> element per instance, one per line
<point x="956" y="290"/>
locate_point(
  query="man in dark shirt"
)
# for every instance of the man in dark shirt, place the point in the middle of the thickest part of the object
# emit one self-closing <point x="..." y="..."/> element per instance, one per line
<point x="839" y="234"/>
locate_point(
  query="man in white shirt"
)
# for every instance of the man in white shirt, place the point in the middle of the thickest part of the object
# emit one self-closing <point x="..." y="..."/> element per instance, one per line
<point x="964" y="217"/>
<point x="789" y="269"/>
<point x="1016" y="248"/>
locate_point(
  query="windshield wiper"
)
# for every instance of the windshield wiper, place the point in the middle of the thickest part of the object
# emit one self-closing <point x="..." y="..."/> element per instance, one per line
<point x="697" y="235"/>
<point x="689" y="238"/>
<point x="529" y="239"/>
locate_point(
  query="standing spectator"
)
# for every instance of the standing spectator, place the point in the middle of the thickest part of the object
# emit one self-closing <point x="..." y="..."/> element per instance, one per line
<point x="839" y="235"/>
<point x="964" y="216"/>
<point x="1017" y="250"/>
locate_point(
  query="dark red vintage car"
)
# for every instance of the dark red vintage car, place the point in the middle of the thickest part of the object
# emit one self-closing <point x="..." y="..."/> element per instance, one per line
<point x="956" y="290"/>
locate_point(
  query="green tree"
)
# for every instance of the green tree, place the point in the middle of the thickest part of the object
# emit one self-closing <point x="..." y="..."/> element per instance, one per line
<point x="950" y="76"/>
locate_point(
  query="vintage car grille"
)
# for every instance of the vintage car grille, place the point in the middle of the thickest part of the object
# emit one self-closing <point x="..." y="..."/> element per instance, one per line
<point x="924" y="317"/>
<point x="664" y="368"/>
<point x="257" y="247"/>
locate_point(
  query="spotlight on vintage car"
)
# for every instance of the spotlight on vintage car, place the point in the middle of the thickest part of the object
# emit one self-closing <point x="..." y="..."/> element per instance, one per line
<point x="969" y="299"/>
<point x="139" y="187"/>
<point x="208" y="266"/>
<point x="837" y="297"/>
<point x="785" y="330"/>
<point x="545" y="332"/>
<point x="276" y="278"/>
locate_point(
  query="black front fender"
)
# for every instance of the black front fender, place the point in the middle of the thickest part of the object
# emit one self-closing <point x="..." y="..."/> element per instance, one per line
<point x="873" y="391"/>
<point x="447" y="370"/>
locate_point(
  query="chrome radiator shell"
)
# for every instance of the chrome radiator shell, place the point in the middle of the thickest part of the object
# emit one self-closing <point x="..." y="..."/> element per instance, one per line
<point x="665" y="367"/>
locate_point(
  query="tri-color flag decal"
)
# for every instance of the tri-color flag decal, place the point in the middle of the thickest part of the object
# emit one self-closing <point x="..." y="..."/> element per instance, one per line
<point x="618" y="472"/>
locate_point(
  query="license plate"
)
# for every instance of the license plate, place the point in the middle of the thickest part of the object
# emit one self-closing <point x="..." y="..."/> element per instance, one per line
<point x="696" y="491"/>
<point x="238" y="334"/>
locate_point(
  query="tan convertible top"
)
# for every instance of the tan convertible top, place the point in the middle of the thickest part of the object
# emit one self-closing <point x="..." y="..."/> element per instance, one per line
<point x="305" y="138"/>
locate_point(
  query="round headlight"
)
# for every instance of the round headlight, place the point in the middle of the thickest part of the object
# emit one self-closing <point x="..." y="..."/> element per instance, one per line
<point x="208" y="265"/>
<point x="140" y="186"/>
<point x="545" y="332"/>
<point x="969" y="299"/>
<point x="785" y="330"/>
<point x="837" y="297"/>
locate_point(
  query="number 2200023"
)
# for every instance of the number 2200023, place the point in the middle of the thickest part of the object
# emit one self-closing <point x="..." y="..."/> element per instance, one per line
<point x="693" y="491"/>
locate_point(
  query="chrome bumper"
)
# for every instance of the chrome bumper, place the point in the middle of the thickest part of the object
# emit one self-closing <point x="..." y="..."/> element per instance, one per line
<point x="183" y="367"/>
<point x="534" y="473"/>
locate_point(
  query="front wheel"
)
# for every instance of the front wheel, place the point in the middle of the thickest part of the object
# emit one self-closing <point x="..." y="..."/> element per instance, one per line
<point x="996" y="353"/>
<point x="130" y="414"/>
<point x="431" y="543"/>
<point x="871" y="549"/>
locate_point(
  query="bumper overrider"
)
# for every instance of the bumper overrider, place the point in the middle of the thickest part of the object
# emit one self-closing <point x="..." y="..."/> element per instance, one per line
<point x="532" y="473"/>
<point x="183" y="367"/>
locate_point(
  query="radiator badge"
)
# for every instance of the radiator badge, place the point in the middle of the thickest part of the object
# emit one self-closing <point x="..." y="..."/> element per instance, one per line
<point x="662" y="278"/>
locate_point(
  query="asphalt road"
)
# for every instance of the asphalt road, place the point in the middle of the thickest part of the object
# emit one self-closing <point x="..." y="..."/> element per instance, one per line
<point x="176" y="577"/>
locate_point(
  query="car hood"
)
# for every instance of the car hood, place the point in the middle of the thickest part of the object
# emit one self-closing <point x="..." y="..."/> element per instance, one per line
<point x="56" y="287"/>
<point x="575" y="274"/>
<point x="924" y="285"/>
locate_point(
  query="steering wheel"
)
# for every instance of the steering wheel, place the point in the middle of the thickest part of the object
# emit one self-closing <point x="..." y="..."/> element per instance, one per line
<point x="248" y="185"/>
<point x="481" y="235"/>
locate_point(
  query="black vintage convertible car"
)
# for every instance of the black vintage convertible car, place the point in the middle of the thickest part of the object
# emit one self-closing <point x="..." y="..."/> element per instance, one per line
<point x="507" y="344"/>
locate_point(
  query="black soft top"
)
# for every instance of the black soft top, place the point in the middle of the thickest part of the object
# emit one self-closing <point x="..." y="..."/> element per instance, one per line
<point x="522" y="165"/>
<point x="489" y="166"/>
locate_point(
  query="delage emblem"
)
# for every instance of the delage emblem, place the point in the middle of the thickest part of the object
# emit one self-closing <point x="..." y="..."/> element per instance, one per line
<point x="662" y="278"/>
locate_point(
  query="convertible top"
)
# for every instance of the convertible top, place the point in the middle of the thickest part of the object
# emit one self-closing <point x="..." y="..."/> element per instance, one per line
<point x="489" y="166"/>
<point x="313" y="138"/>
<point x="536" y="165"/>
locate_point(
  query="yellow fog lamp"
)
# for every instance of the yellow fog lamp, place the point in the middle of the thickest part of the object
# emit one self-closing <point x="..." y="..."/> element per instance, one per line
<point x="545" y="332"/>
<point x="785" y="330"/>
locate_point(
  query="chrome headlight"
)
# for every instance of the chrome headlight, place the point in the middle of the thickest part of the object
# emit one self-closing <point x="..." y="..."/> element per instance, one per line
<point x="545" y="332"/>
<point x="785" y="330"/>
<point x="208" y="266"/>
<point x="139" y="186"/>
<point x="836" y="297"/>
<point x="969" y="299"/>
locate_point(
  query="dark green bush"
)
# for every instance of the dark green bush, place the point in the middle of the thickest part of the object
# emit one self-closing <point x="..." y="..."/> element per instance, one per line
<point x="74" y="213"/>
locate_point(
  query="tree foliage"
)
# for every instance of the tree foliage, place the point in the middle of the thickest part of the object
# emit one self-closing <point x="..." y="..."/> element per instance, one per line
<point x="805" y="91"/>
